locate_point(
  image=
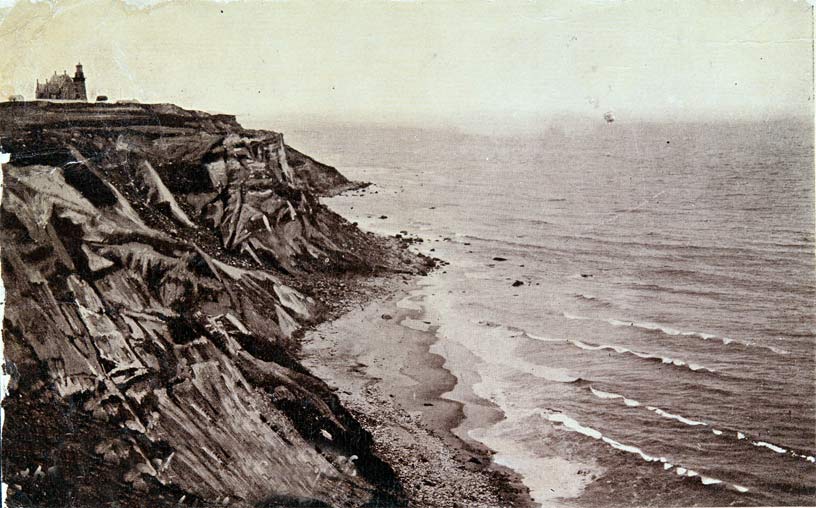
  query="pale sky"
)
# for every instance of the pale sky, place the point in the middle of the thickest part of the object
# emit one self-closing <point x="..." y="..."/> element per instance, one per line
<point x="443" y="62"/>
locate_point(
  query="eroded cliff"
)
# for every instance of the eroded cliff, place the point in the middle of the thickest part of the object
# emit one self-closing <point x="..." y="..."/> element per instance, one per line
<point x="158" y="264"/>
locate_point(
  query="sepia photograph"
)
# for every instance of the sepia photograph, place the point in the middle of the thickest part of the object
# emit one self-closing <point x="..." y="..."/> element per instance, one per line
<point x="407" y="253"/>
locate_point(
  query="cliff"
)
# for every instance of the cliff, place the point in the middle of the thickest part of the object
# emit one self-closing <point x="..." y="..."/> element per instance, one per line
<point x="159" y="264"/>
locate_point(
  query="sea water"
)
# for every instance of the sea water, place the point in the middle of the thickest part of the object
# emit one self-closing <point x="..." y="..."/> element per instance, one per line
<point x="637" y="299"/>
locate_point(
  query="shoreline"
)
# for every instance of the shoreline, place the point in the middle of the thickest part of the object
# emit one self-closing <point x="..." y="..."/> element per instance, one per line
<point x="376" y="355"/>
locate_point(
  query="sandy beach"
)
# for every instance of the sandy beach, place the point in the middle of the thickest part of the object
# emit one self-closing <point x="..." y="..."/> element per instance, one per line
<point x="376" y="356"/>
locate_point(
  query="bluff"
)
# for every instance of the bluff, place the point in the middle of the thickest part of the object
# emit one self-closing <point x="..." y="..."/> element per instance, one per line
<point x="158" y="265"/>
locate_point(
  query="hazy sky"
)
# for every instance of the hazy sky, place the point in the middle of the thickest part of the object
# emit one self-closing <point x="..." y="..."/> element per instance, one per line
<point x="452" y="62"/>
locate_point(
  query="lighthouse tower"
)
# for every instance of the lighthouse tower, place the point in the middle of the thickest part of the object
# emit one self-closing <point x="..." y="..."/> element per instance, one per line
<point x="79" y="84"/>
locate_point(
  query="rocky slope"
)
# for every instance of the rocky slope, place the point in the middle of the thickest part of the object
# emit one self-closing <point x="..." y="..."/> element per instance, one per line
<point x="158" y="265"/>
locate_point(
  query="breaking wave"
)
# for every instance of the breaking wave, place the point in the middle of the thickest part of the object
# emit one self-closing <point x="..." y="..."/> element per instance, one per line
<point x="740" y="436"/>
<point x="645" y="356"/>
<point x="666" y="330"/>
<point x="571" y="424"/>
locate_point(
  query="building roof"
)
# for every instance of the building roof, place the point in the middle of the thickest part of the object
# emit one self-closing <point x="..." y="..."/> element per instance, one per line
<point x="56" y="84"/>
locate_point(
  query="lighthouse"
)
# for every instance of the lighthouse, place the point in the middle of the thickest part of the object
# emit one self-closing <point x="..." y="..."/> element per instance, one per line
<point x="79" y="84"/>
<point x="63" y="87"/>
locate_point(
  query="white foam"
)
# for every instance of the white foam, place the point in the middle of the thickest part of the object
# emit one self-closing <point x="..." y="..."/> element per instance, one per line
<point x="646" y="356"/>
<point x="660" y="328"/>
<point x="688" y="473"/>
<point x="777" y="449"/>
<point x="679" y="418"/>
<point x="615" y="322"/>
<point x="543" y="339"/>
<point x="770" y="446"/>
<point x="633" y="403"/>
<point x="739" y="488"/>
<point x="585" y="346"/>
<point x="655" y="327"/>
<point x="740" y="436"/>
<point x="489" y="343"/>
<point x="809" y="458"/>
<point x="672" y="361"/>
<point x="607" y="395"/>
<point x="571" y="424"/>
<point x="629" y="449"/>
<point x="604" y="395"/>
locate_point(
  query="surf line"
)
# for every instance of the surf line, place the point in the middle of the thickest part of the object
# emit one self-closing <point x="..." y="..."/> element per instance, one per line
<point x="739" y="435"/>
<point x="568" y="423"/>
<point x="654" y="327"/>
<point x="646" y="356"/>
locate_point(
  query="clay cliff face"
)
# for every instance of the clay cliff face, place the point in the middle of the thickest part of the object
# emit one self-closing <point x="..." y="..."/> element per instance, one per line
<point x="150" y="257"/>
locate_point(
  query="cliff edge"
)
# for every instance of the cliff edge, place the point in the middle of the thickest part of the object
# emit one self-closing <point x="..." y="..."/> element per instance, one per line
<point x="159" y="264"/>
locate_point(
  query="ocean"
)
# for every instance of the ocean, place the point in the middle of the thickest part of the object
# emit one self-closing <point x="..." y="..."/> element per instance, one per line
<point x="637" y="299"/>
